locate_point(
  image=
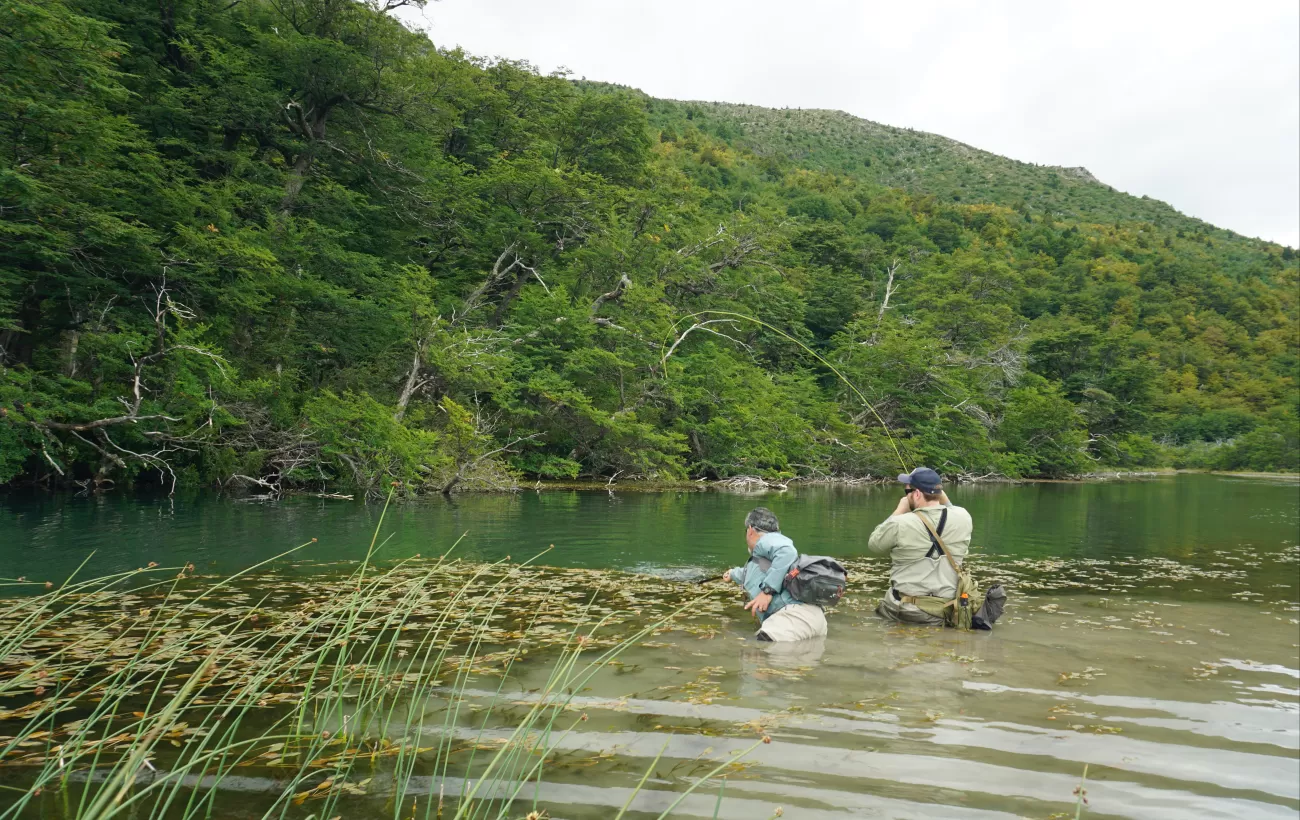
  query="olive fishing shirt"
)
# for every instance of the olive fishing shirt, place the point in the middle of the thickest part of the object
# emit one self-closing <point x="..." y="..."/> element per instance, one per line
<point x="771" y="559"/>
<point x="908" y="543"/>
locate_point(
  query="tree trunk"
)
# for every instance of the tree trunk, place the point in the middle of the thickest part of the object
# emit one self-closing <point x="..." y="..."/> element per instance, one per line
<point x="171" y="42"/>
<point x="500" y="315"/>
<point x="413" y="383"/>
<point x="297" y="176"/>
<point x="884" y="304"/>
<point x="74" y="340"/>
<point x="309" y="125"/>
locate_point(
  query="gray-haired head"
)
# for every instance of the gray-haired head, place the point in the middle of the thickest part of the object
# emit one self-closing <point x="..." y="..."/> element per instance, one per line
<point x="763" y="520"/>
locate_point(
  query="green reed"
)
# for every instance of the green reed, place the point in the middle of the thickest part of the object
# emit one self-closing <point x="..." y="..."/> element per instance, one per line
<point x="142" y="692"/>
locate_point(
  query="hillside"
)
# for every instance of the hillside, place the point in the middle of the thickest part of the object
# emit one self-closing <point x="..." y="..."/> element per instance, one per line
<point x="283" y="245"/>
<point x="917" y="162"/>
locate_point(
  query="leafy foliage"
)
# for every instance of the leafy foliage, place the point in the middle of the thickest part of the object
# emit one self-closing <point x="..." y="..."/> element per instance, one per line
<point x="297" y="243"/>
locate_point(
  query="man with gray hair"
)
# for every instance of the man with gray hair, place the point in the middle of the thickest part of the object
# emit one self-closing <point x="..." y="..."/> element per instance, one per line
<point x="771" y="554"/>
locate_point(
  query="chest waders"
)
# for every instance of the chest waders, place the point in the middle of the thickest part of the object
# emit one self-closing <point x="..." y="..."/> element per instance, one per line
<point x="960" y="611"/>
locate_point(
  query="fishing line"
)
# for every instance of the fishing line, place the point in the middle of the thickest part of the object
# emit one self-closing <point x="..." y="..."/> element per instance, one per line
<point x="733" y="315"/>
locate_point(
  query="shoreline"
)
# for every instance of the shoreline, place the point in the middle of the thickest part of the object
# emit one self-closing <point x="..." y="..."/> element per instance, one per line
<point x="759" y="484"/>
<point x="1242" y="474"/>
<point x="743" y="484"/>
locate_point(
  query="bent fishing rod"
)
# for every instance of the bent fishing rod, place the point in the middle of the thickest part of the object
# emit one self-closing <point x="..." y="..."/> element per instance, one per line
<point x="732" y="315"/>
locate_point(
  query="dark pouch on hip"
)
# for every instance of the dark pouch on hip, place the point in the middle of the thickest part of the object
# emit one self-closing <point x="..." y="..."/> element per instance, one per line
<point x="995" y="600"/>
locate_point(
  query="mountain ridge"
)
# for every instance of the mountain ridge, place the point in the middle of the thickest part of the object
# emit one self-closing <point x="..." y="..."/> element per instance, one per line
<point x="838" y="136"/>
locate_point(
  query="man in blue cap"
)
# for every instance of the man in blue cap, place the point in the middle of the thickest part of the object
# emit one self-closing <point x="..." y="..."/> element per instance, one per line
<point x="921" y="578"/>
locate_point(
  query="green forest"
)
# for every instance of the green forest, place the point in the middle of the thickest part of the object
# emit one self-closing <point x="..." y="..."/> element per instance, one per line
<point x="278" y="244"/>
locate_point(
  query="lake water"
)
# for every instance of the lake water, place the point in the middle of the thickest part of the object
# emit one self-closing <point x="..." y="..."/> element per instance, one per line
<point x="1153" y="635"/>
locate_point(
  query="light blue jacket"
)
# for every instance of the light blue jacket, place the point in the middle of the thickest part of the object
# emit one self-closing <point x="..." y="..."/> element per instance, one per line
<point x="771" y="559"/>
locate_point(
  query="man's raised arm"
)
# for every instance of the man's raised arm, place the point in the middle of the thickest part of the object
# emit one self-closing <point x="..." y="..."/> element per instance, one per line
<point x="884" y="537"/>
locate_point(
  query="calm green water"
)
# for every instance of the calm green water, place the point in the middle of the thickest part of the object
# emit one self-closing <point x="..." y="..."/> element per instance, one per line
<point x="1153" y="635"/>
<point x="1189" y="518"/>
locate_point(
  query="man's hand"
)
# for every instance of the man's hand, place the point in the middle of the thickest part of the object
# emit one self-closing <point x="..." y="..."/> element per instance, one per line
<point x="903" y="507"/>
<point x="943" y="499"/>
<point x="760" y="603"/>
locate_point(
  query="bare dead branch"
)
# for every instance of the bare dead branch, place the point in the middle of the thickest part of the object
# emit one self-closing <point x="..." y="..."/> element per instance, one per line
<point x="890" y="289"/>
<point x="51" y="460"/>
<point x="460" y="472"/>
<point x="691" y="250"/>
<point x="612" y="296"/>
<point x="83" y="427"/>
<point x="493" y="279"/>
<point x="704" y="326"/>
<point x="413" y="382"/>
<point x="162" y="307"/>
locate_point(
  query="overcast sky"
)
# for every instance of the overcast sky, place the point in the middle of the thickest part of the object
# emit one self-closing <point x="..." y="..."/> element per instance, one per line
<point x="1193" y="103"/>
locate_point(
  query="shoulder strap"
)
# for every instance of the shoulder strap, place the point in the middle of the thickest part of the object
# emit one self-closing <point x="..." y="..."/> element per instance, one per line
<point x="935" y="537"/>
<point x="935" y="547"/>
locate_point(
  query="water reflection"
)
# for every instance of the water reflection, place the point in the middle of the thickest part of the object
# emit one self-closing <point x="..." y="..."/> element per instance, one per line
<point x="1191" y="518"/>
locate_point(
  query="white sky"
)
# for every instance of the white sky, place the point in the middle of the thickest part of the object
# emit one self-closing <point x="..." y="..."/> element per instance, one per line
<point x="1194" y="103"/>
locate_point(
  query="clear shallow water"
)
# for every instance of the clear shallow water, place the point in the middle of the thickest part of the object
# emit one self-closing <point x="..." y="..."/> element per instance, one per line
<point x="1153" y="636"/>
<point x="896" y="722"/>
<point x="1184" y="711"/>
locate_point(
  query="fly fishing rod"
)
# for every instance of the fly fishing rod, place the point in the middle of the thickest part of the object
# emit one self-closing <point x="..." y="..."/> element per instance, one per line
<point x="732" y="315"/>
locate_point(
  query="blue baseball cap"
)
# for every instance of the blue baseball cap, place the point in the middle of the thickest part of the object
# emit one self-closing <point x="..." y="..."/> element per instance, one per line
<point x="923" y="479"/>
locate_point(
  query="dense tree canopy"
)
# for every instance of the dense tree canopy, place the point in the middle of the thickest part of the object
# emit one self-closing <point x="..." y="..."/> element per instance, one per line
<point x="293" y="243"/>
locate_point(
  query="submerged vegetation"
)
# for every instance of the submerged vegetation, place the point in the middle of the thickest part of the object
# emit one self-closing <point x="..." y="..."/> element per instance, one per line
<point x="443" y="688"/>
<point x="153" y="692"/>
<point x="295" y="244"/>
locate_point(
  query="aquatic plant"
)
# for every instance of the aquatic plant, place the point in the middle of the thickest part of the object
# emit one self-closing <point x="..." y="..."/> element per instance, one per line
<point x="141" y="692"/>
<point x="1081" y="794"/>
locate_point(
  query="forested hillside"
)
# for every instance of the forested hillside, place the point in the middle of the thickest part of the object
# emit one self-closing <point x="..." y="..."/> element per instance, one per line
<point x="293" y="244"/>
<point x="917" y="162"/>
